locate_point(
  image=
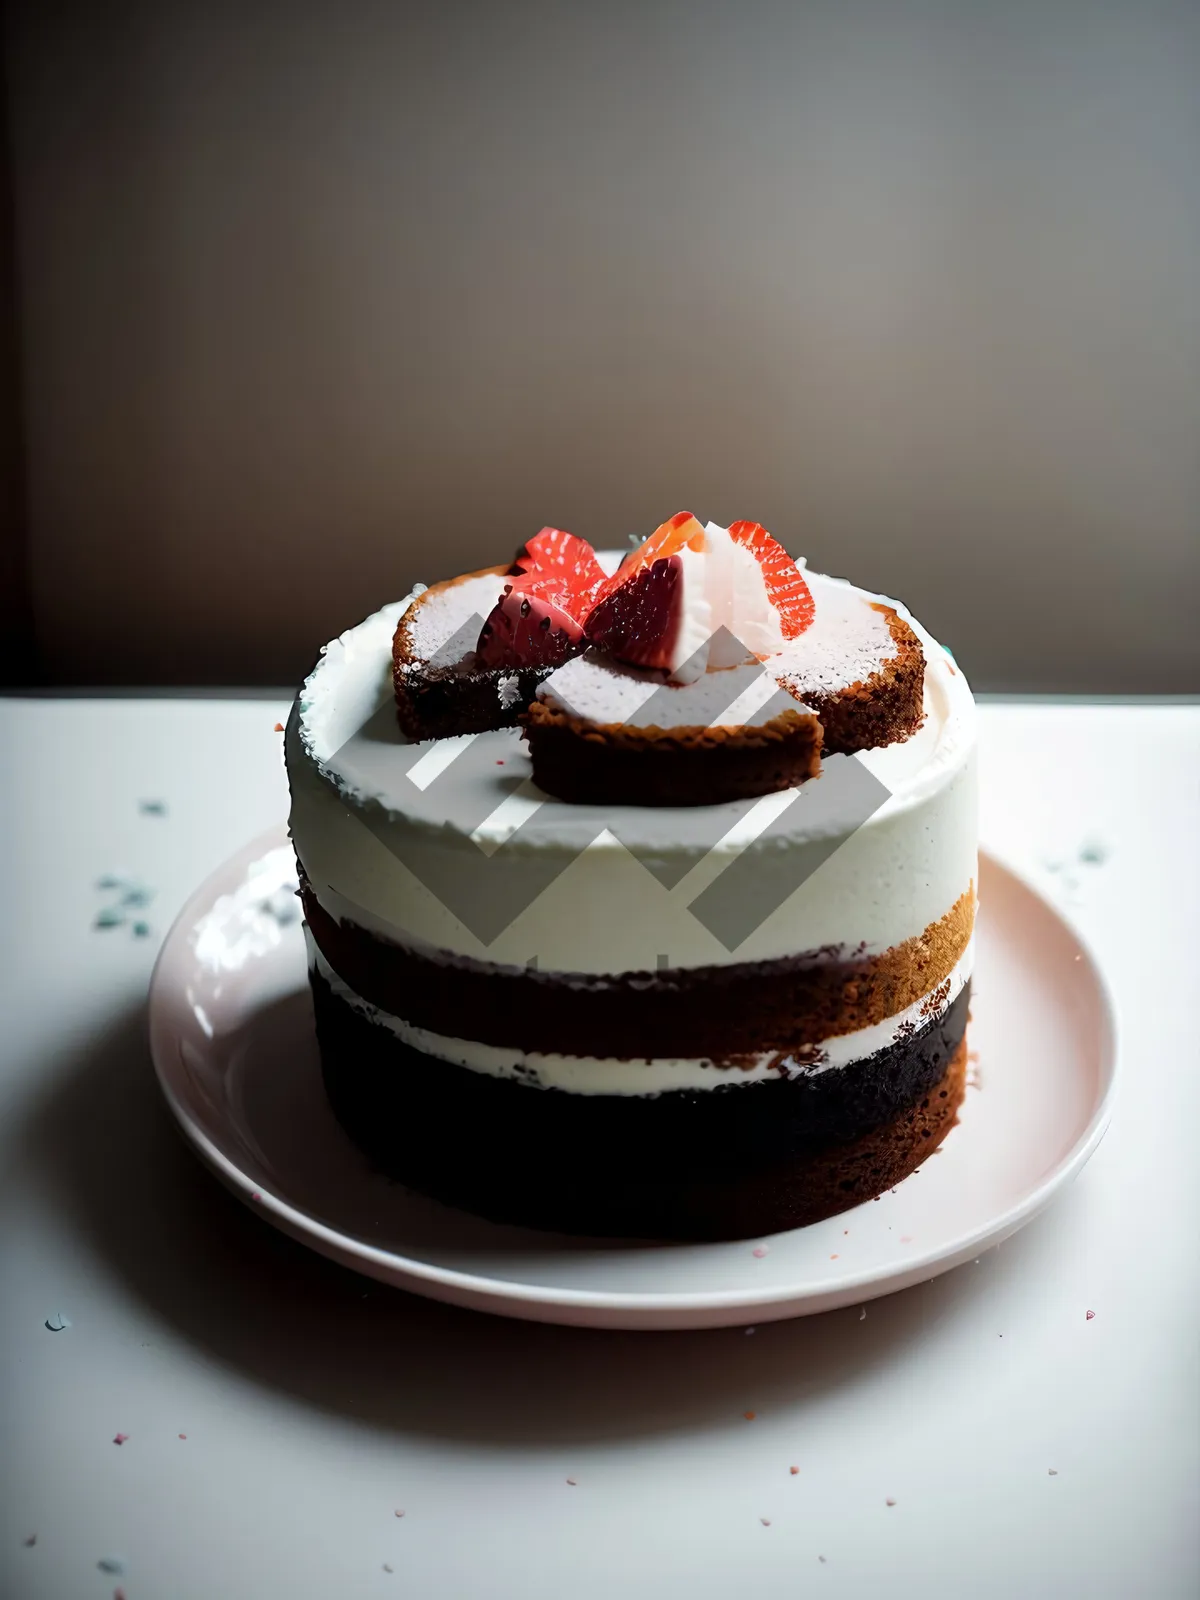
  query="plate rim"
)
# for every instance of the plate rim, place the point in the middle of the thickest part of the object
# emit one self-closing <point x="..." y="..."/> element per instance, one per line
<point x="499" y="1293"/>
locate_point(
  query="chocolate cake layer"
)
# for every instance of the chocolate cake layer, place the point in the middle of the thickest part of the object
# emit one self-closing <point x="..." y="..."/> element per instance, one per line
<point x="728" y="1162"/>
<point x="437" y="698"/>
<point x="624" y="764"/>
<point x="884" y="708"/>
<point x="719" y="1012"/>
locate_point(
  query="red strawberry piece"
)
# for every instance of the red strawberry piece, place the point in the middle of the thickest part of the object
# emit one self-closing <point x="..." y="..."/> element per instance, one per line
<point x="553" y="550"/>
<point x="637" y="620"/>
<point x="538" y="620"/>
<point x="785" y="585"/>
<point x="678" y="532"/>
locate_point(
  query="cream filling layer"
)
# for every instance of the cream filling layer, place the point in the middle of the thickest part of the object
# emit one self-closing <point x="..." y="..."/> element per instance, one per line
<point x="614" y="1075"/>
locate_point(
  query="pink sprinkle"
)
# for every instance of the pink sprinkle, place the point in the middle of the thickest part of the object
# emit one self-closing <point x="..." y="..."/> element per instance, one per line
<point x="183" y="1435"/>
<point x="1090" y="1315"/>
<point x="906" y="1238"/>
<point x="766" y="1521"/>
<point x="399" y="1513"/>
<point x="833" y="1258"/>
<point x="256" y="1195"/>
<point x="793" y="1471"/>
<point x="499" y="763"/>
<point x="890" y="1502"/>
<point x="759" y="1250"/>
<point x="120" y="1438"/>
<point x="571" y="1481"/>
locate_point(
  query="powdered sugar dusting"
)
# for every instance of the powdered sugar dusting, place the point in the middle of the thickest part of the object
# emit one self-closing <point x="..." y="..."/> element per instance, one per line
<point x="595" y="686"/>
<point x="444" y="611"/>
<point x="847" y="642"/>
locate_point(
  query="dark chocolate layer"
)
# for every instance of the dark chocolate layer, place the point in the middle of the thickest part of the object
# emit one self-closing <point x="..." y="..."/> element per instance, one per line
<point x="625" y="764"/>
<point x="719" y="1012"/>
<point x="741" y="1159"/>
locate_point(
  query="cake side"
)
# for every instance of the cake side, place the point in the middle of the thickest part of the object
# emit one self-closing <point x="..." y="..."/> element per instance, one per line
<point x="682" y="1020"/>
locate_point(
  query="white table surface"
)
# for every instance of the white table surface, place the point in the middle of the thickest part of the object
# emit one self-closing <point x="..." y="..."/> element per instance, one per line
<point x="316" y="1404"/>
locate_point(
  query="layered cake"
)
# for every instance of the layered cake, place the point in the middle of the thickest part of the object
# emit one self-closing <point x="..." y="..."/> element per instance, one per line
<point x="639" y="889"/>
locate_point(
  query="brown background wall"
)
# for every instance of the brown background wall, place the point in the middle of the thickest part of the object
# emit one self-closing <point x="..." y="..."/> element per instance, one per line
<point x="317" y="299"/>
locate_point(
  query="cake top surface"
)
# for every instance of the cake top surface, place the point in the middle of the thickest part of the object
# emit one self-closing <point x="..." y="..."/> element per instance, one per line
<point x="345" y="725"/>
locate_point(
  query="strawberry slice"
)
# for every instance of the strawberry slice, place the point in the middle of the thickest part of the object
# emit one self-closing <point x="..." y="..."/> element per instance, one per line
<point x="538" y="620"/>
<point x="554" y="550"/>
<point x="638" y="620"/>
<point x="782" y="578"/>
<point x="651" y="612"/>
<point x="680" y="532"/>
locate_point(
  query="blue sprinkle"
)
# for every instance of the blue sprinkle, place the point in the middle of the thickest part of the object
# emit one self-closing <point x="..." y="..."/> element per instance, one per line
<point x="137" y="895"/>
<point x="112" y="880"/>
<point x="949" y="652"/>
<point x="112" y="1564"/>
<point x="152" y="808"/>
<point x="56" y="1322"/>
<point x="110" y="917"/>
<point x="141" y="930"/>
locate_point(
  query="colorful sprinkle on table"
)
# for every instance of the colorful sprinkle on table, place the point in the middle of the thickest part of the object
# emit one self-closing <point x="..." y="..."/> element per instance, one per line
<point x="572" y="1482"/>
<point x="399" y="1513"/>
<point x="1053" y="1471"/>
<point x="759" y="1251"/>
<point x="183" y="1435"/>
<point x="120" y="1438"/>
<point x="279" y="727"/>
<point x="1089" y="1316"/>
<point x="889" y="1502"/>
<point x="56" y="1322"/>
<point x="766" y="1521"/>
<point x="112" y="1564"/>
<point x="29" y="1541"/>
<point x="152" y="808"/>
<point x="794" y="1471"/>
<point x="749" y="1415"/>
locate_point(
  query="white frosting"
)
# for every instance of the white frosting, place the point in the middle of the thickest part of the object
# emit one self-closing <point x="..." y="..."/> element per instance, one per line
<point x="356" y="812"/>
<point x="653" y="1076"/>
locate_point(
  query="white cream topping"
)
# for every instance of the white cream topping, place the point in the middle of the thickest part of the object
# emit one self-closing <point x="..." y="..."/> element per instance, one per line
<point x="356" y="814"/>
<point x="656" y="1075"/>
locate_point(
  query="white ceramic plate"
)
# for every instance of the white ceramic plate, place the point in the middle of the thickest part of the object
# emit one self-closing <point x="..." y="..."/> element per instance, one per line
<point x="232" y="1039"/>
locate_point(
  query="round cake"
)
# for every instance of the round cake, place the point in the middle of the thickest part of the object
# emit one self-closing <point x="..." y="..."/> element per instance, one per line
<point x="685" y="953"/>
